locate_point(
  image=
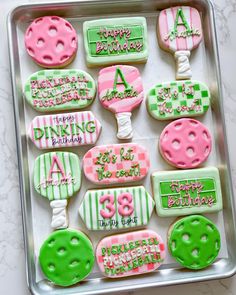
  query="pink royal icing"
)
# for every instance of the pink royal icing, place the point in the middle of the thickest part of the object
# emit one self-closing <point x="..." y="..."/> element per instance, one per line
<point x="51" y="41"/>
<point x="130" y="253"/>
<point x="180" y="28"/>
<point x="120" y="88"/>
<point x="185" y="143"/>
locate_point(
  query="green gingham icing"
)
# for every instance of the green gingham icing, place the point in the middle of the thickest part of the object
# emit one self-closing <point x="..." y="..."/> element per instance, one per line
<point x="66" y="257"/>
<point x="172" y="100"/>
<point x="90" y="209"/>
<point x="54" y="90"/>
<point x="60" y="189"/>
<point x="194" y="241"/>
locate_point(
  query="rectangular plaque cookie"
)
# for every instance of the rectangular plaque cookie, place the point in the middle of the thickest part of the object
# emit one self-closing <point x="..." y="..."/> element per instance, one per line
<point x="109" y="41"/>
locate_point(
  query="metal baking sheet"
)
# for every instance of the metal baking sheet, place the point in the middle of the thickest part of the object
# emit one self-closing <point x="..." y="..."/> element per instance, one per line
<point x="160" y="67"/>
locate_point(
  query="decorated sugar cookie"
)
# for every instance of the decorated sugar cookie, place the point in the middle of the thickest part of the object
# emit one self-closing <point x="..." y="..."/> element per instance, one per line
<point x="116" y="208"/>
<point x="187" y="192"/>
<point x="116" y="163"/>
<point x="64" y="130"/>
<point x="180" y="31"/>
<point x="194" y="241"/>
<point x="185" y="143"/>
<point x="176" y="99"/>
<point x="57" y="177"/>
<point x="66" y="257"/>
<point x="120" y="90"/>
<point x="51" y="41"/>
<point x="115" y="40"/>
<point x="130" y="254"/>
<point x="56" y="90"/>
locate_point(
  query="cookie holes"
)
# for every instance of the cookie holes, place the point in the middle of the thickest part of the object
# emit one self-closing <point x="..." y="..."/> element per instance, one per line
<point x="168" y="155"/>
<point x="47" y="59"/>
<point x="204" y="238"/>
<point x="64" y="58"/>
<point x="74" y="263"/>
<point x="195" y="221"/>
<point x="61" y="251"/>
<point x="178" y="126"/>
<point x="180" y="227"/>
<point x="193" y="123"/>
<point x="207" y="151"/>
<point x="176" y="144"/>
<point x="69" y="27"/>
<point x="40" y="42"/>
<point x="190" y="152"/>
<point x="165" y="137"/>
<point x="210" y="259"/>
<point x="192" y="135"/>
<point x="29" y="33"/>
<point x="210" y="227"/>
<point x="55" y="19"/>
<point x="205" y="135"/>
<point x="51" y="267"/>
<point x="181" y="164"/>
<point x="173" y="245"/>
<point x="195" y="252"/>
<point x="217" y="245"/>
<point x="73" y="42"/>
<point x="194" y="265"/>
<point x="51" y="243"/>
<point x="88" y="264"/>
<point x="74" y="241"/>
<point x="52" y="31"/>
<point x="195" y="162"/>
<point x="38" y="20"/>
<point x="60" y="46"/>
<point x="185" y="237"/>
<point x="30" y="51"/>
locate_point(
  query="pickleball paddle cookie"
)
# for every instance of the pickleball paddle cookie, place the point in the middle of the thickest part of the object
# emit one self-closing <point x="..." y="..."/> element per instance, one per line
<point x="120" y="90"/>
<point x="66" y="257"/>
<point x="129" y="254"/>
<point x="180" y="31"/>
<point x="194" y="241"/>
<point x="57" y="177"/>
<point x="51" y="41"/>
<point x="185" y="143"/>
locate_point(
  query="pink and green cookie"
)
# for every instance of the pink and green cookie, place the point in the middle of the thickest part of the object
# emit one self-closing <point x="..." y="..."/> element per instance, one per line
<point x="194" y="241"/>
<point x="66" y="257"/>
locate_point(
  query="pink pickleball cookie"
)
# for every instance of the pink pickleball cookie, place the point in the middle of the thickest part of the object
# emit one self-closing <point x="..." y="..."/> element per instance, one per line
<point x="185" y="143"/>
<point x="130" y="253"/>
<point x="51" y="41"/>
<point x="120" y="90"/>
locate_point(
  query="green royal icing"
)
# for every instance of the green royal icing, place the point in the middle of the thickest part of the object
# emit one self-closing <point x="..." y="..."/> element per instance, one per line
<point x="172" y="100"/>
<point x="194" y="242"/>
<point x="63" y="180"/>
<point x="187" y="192"/>
<point x="66" y="257"/>
<point x="54" y="90"/>
<point x="115" y="40"/>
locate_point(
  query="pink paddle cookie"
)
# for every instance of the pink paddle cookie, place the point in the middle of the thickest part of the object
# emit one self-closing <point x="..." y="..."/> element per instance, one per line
<point x="116" y="163"/>
<point x="180" y="31"/>
<point x="51" y="41"/>
<point x="185" y="143"/>
<point x="130" y="254"/>
<point x="120" y="90"/>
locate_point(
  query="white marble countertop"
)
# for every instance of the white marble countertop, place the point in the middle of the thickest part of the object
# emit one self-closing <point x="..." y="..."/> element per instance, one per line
<point x="12" y="265"/>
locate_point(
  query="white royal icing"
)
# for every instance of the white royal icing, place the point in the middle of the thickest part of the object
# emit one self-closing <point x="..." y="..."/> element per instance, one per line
<point x="183" y="66"/>
<point x="59" y="216"/>
<point x="124" y="125"/>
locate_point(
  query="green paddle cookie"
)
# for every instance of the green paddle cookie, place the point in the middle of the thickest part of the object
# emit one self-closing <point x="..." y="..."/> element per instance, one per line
<point x="66" y="257"/>
<point x="194" y="241"/>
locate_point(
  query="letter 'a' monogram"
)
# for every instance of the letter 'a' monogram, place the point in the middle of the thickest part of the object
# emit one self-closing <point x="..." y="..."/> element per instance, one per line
<point x="58" y="168"/>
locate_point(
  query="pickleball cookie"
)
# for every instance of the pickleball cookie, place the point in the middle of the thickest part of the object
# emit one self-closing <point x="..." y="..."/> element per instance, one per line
<point x="51" y="41"/>
<point x="185" y="143"/>
<point x="66" y="257"/>
<point x="194" y="241"/>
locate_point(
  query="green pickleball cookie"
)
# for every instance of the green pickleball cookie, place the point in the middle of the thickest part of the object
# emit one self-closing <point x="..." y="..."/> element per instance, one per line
<point x="194" y="241"/>
<point x="66" y="257"/>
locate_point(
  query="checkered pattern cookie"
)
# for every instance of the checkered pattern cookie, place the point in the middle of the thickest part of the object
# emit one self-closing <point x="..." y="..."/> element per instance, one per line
<point x="172" y="100"/>
<point x="54" y="90"/>
<point x="130" y="253"/>
<point x="116" y="163"/>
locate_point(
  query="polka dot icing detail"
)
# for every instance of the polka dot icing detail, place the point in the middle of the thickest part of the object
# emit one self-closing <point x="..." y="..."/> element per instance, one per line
<point x="51" y="41"/>
<point x="194" y="241"/>
<point x="66" y="257"/>
<point x="185" y="143"/>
